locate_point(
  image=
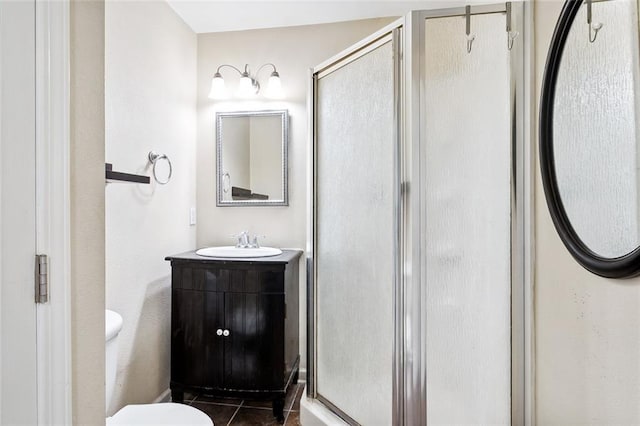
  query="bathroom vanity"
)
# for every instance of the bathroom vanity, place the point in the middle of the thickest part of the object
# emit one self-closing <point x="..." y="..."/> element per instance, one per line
<point x="234" y="326"/>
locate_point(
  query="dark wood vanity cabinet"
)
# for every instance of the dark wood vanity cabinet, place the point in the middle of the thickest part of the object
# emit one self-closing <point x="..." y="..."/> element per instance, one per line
<point x="234" y="326"/>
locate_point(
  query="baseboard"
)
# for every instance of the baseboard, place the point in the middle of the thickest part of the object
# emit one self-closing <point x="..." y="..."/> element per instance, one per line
<point x="302" y="375"/>
<point x="164" y="397"/>
<point x="315" y="413"/>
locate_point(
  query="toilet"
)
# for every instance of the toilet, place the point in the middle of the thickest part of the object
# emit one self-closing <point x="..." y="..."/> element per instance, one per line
<point x="166" y="413"/>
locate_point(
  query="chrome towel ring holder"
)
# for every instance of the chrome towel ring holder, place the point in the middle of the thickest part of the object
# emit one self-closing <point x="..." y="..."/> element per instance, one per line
<point x="153" y="159"/>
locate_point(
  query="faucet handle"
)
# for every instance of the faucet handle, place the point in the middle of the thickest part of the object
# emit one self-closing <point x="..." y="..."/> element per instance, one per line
<point x="254" y="242"/>
<point x="243" y="239"/>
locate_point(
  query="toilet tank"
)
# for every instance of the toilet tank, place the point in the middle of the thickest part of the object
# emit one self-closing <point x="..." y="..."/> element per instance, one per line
<point x="113" y="325"/>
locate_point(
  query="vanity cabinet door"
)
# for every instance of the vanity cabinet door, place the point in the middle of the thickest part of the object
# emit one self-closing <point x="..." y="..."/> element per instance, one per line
<point x="188" y="366"/>
<point x="196" y="349"/>
<point x="254" y="349"/>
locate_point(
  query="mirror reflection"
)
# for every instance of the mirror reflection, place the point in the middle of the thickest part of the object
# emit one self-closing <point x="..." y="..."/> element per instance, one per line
<point x="252" y="158"/>
<point x="595" y="128"/>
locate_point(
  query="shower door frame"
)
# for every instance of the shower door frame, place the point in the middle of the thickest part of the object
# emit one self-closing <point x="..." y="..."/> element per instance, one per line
<point x="409" y="345"/>
<point x="521" y="205"/>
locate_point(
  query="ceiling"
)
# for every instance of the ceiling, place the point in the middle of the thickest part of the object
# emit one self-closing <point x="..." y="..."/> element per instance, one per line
<point x="204" y="16"/>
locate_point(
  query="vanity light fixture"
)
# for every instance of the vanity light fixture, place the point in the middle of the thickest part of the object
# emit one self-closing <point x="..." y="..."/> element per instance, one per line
<point x="248" y="86"/>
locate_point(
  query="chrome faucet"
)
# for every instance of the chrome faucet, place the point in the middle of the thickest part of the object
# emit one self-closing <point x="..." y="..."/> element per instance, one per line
<point x="243" y="240"/>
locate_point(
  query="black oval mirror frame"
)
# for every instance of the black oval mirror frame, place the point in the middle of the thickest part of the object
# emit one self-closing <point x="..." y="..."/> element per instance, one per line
<point x="626" y="266"/>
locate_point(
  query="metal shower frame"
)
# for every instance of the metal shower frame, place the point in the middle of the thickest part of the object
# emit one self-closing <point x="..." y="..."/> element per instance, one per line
<point x="409" y="346"/>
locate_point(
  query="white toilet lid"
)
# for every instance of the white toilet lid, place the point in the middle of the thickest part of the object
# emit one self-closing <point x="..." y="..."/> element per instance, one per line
<point x="168" y="413"/>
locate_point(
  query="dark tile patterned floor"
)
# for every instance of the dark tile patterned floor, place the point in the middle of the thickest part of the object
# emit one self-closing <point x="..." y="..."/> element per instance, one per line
<point x="237" y="412"/>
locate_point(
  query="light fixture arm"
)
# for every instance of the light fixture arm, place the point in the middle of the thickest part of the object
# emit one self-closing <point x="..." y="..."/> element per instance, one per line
<point x="265" y="65"/>
<point x="231" y="66"/>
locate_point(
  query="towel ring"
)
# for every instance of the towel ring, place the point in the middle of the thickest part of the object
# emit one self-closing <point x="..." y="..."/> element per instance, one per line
<point x="153" y="158"/>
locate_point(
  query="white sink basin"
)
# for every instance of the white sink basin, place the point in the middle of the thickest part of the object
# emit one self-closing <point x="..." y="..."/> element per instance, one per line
<point x="235" y="252"/>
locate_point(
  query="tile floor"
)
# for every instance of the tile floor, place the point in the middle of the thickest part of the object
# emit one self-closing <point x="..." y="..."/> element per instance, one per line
<point x="238" y="412"/>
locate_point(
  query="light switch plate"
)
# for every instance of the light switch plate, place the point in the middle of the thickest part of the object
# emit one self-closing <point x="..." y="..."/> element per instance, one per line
<point x="192" y="216"/>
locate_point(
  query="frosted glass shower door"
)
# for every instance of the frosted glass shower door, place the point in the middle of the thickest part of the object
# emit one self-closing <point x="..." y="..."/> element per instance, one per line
<point x="354" y="252"/>
<point x="466" y="216"/>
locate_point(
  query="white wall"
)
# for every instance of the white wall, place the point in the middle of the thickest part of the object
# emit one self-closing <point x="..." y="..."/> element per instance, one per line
<point x="150" y="105"/>
<point x="266" y="156"/>
<point x="236" y="153"/>
<point x="587" y="328"/>
<point x="293" y="50"/>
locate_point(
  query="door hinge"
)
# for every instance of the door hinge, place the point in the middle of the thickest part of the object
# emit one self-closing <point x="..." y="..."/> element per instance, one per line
<point x="42" y="278"/>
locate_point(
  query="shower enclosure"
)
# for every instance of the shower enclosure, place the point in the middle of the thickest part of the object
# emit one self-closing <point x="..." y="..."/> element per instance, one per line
<point x="416" y="267"/>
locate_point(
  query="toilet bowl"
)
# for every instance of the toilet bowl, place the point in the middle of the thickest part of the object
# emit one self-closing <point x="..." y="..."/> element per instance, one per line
<point x="166" y="413"/>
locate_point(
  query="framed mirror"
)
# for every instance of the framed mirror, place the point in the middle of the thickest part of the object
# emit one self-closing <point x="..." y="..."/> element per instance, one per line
<point x="251" y="150"/>
<point x="589" y="152"/>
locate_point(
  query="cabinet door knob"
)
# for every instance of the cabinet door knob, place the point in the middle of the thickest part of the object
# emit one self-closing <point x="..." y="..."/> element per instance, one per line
<point x="225" y="333"/>
<point x="219" y="332"/>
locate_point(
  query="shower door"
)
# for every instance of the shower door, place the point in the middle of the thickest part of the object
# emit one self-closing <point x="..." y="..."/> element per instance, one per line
<point x="355" y="252"/>
<point x="418" y="237"/>
<point x="471" y="258"/>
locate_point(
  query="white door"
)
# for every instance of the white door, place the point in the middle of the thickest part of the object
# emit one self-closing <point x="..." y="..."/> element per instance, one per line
<point x="18" y="402"/>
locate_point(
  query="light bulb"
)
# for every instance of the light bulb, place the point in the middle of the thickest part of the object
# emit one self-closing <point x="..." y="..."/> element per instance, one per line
<point x="218" y="88"/>
<point x="274" y="87"/>
<point x="245" y="88"/>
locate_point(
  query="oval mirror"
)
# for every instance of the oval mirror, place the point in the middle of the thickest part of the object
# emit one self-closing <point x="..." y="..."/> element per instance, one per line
<point x="589" y="155"/>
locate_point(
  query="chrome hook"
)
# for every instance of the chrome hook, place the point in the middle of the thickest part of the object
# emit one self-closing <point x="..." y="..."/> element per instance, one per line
<point x="593" y="28"/>
<point x="470" y="40"/>
<point x="511" y="35"/>
<point x="470" y="37"/>
<point x="593" y="31"/>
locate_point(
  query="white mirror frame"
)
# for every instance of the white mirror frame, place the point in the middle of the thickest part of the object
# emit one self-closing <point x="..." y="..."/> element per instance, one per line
<point x="220" y="202"/>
